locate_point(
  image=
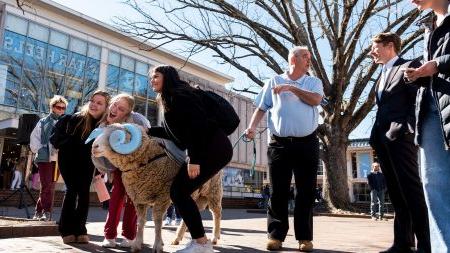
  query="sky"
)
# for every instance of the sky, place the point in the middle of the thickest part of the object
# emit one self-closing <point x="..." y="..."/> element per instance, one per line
<point x="106" y="10"/>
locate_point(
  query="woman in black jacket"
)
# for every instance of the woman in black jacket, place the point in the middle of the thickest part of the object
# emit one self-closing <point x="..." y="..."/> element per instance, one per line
<point x="433" y="120"/>
<point x="75" y="165"/>
<point x="208" y="148"/>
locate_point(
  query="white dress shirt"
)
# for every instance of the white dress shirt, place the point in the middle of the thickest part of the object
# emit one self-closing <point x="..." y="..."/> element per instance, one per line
<point x="384" y="74"/>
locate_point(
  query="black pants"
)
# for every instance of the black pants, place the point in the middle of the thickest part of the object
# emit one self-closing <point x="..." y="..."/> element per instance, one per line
<point x="75" y="206"/>
<point x="300" y="156"/>
<point x="398" y="161"/>
<point x="218" y="153"/>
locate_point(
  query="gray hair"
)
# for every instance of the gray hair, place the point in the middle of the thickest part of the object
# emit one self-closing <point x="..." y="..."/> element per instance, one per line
<point x="297" y="49"/>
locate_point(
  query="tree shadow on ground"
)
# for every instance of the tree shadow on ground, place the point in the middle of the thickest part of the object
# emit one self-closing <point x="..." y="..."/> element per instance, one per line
<point x="223" y="231"/>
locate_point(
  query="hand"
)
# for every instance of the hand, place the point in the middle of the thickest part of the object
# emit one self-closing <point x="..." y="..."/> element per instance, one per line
<point x="427" y="69"/>
<point x="280" y="88"/>
<point x="250" y="133"/>
<point x="193" y="170"/>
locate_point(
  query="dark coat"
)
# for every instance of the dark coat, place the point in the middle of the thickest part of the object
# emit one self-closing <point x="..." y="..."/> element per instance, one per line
<point x="438" y="49"/>
<point x="186" y="124"/>
<point x="73" y="154"/>
<point x="395" y="115"/>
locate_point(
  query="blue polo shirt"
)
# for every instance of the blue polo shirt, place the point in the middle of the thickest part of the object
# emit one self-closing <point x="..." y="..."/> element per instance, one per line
<point x="287" y="114"/>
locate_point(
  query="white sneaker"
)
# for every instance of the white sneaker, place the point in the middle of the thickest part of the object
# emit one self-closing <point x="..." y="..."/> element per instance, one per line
<point x="194" y="247"/>
<point x="109" y="243"/>
<point x="125" y="243"/>
<point x="168" y="221"/>
<point x="37" y="216"/>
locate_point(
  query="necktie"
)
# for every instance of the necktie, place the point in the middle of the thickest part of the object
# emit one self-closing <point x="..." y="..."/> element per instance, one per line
<point x="382" y="81"/>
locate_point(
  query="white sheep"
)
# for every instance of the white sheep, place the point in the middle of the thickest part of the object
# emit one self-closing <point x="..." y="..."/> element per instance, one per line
<point x="147" y="174"/>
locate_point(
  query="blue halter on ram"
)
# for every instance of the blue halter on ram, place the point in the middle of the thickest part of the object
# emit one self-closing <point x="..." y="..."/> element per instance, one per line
<point x="117" y="139"/>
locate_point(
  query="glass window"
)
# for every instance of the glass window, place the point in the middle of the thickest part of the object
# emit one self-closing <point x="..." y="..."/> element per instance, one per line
<point x="140" y="86"/>
<point x="38" y="32"/>
<point x="127" y="63"/>
<point x="13" y="48"/>
<point x="54" y="85"/>
<point x="14" y="73"/>
<point x="75" y="65"/>
<point x="114" y="58"/>
<point x="364" y="164"/>
<point x="78" y="46"/>
<point x="57" y="59"/>
<point x="91" y="78"/>
<point x="59" y="39"/>
<point x="94" y="52"/>
<point x="141" y="68"/>
<point x="11" y="93"/>
<point x="126" y="81"/>
<point x="112" y="78"/>
<point x="354" y="165"/>
<point x="30" y="90"/>
<point x="16" y="24"/>
<point x="34" y="55"/>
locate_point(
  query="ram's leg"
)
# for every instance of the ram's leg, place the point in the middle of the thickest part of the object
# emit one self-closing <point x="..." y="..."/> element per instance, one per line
<point x="216" y="211"/>
<point x="141" y="212"/>
<point x="158" y="214"/>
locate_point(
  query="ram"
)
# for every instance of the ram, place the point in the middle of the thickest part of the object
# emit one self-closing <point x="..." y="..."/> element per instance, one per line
<point x="147" y="174"/>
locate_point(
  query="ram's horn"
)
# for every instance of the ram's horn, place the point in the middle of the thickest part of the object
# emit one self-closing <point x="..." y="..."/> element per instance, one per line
<point x="118" y="137"/>
<point x="94" y="134"/>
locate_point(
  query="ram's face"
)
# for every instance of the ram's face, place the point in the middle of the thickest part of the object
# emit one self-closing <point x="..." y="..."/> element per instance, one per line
<point x="101" y="146"/>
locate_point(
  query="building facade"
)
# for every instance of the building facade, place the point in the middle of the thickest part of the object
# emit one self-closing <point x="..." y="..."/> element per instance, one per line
<point x="50" y="49"/>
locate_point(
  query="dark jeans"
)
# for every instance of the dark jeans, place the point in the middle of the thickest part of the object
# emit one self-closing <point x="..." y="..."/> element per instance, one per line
<point x="218" y="153"/>
<point x="172" y="209"/>
<point x="398" y="160"/>
<point x="75" y="206"/>
<point x="300" y="156"/>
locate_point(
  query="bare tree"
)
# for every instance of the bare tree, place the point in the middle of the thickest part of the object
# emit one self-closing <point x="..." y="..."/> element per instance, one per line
<point x="242" y="32"/>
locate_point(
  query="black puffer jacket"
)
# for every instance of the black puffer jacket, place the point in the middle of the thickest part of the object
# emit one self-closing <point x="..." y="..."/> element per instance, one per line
<point x="438" y="48"/>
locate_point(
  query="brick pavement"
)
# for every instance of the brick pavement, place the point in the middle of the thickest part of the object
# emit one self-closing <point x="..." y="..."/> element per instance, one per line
<point x="241" y="232"/>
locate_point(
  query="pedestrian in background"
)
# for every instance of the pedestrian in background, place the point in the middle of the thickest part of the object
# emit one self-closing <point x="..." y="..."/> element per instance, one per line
<point x="46" y="156"/>
<point x="377" y="187"/>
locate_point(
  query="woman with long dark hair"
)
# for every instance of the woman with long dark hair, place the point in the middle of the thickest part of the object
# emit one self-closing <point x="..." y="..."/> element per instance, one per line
<point x="75" y="165"/>
<point x="208" y="148"/>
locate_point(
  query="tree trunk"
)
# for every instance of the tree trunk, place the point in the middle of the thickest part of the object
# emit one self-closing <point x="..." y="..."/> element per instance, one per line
<point x="335" y="186"/>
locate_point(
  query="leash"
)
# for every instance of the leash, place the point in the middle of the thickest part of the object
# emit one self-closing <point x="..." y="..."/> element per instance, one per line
<point x="246" y="140"/>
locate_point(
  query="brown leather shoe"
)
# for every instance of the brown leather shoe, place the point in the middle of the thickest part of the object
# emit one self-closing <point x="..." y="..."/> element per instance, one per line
<point x="69" y="239"/>
<point x="83" y="239"/>
<point x="305" y="246"/>
<point x="273" y="244"/>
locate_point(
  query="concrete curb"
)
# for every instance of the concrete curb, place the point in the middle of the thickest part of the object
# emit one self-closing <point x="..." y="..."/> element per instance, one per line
<point x="28" y="228"/>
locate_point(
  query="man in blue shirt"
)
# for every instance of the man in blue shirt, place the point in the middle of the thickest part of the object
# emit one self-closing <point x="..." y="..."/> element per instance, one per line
<point x="291" y="100"/>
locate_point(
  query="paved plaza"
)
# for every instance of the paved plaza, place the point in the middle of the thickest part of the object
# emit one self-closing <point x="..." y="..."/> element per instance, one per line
<point x="241" y="232"/>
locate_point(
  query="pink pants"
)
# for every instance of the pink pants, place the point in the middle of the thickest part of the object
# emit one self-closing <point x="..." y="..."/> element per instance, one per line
<point x="118" y="200"/>
<point x="45" y="201"/>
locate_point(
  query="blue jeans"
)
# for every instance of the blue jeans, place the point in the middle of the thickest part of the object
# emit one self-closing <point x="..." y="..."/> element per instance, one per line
<point x="377" y="203"/>
<point x="435" y="172"/>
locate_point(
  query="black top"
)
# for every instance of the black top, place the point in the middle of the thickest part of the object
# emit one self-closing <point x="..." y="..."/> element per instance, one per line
<point x="72" y="150"/>
<point x="186" y="124"/>
<point x="376" y="181"/>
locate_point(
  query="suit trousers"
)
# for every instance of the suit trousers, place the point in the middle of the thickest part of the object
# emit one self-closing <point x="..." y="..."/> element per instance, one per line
<point x="398" y="160"/>
<point x="287" y="155"/>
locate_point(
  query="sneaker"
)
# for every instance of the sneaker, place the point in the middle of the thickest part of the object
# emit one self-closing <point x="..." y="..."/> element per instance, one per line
<point x="37" y="216"/>
<point x="46" y="216"/>
<point x="273" y="244"/>
<point x="125" y="243"/>
<point x="109" y="243"/>
<point x="306" y="246"/>
<point x="178" y="221"/>
<point x="374" y="218"/>
<point x="167" y="221"/>
<point x="194" y="247"/>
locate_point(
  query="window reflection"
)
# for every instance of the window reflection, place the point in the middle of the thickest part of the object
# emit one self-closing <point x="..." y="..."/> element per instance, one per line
<point x="36" y="70"/>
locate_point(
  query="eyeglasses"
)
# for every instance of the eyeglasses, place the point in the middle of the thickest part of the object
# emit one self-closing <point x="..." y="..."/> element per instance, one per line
<point x="61" y="108"/>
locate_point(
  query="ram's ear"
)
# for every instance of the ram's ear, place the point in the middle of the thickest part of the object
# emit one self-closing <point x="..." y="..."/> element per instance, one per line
<point x="94" y="134"/>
